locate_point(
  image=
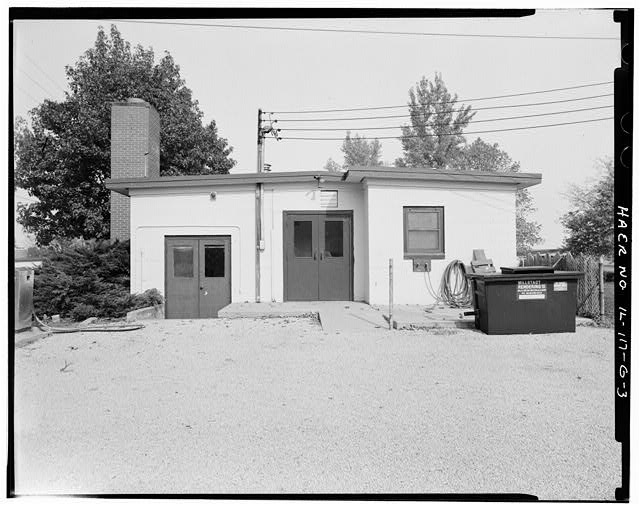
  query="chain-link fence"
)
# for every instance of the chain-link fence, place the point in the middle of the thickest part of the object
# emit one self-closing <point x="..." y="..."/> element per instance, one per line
<point x="590" y="288"/>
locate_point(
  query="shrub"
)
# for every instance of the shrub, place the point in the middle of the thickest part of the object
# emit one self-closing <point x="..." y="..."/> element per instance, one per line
<point x="80" y="279"/>
<point x="148" y="298"/>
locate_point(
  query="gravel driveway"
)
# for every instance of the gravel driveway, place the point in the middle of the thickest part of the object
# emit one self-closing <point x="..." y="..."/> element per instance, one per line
<point x="259" y="406"/>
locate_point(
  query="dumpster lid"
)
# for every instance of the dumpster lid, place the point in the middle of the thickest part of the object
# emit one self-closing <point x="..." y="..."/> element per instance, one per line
<point x="497" y="277"/>
<point x="537" y="269"/>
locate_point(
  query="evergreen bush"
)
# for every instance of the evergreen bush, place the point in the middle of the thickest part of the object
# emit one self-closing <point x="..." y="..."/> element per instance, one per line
<point x="80" y="279"/>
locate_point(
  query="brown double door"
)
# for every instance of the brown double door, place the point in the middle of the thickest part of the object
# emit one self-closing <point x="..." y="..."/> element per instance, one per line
<point x="197" y="276"/>
<point x="318" y="256"/>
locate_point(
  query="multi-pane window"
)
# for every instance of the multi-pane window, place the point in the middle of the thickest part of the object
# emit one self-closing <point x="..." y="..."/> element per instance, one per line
<point x="423" y="232"/>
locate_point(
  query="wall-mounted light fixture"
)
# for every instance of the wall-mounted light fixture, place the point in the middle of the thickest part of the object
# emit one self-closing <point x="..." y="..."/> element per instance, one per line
<point x="320" y="180"/>
<point x="213" y="195"/>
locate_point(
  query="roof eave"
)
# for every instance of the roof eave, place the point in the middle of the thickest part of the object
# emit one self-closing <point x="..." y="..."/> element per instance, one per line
<point x="516" y="179"/>
<point x="123" y="185"/>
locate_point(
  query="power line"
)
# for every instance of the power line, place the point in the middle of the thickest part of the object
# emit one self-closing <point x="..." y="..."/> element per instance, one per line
<point x="44" y="73"/>
<point x="484" y="202"/>
<point x="27" y="94"/>
<point x="452" y="123"/>
<point x="449" y="134"/>
<point x="448" y="112"/>
<point x="48" y="92"/>
<point x="444" y="102"/>
<point x="367" y="32"/>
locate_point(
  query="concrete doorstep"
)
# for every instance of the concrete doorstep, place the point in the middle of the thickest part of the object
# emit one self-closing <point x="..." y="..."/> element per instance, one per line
<point x="268" y="310"/>
<point x="337" y="316"/>
<point x="146" y="313"/>
<point x="334" y="316"/>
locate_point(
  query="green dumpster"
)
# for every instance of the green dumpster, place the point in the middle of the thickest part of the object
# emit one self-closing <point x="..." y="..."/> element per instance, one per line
<point x="525" y="300"/>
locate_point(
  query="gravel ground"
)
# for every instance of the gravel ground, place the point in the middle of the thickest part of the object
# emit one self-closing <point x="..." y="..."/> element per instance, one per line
<point x="260" y="406"/>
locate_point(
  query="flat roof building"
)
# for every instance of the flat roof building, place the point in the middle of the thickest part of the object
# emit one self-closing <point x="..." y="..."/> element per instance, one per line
<point x="207" y="241"/>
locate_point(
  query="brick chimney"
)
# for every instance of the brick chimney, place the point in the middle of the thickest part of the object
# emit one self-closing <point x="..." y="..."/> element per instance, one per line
<point x="135" y="153"/>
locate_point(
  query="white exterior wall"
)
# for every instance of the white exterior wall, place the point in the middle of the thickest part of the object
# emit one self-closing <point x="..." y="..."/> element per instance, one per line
<point x="476" y="216"/>
<point x="156" y="214"/>
<point x="305" y="197"/>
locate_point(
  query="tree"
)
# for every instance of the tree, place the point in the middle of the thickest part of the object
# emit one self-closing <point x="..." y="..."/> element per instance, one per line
<point x="527" y="231"/>
<point x="482" y="156"/>
<point x="589" y="224"/>
<point x="434" y="137"/>
<point x="64" y="157"/>
<point x="332" y="166"/>
<point x="359" y="151"/>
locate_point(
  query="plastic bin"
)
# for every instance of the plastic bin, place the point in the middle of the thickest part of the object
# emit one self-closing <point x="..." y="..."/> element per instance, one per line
<point x="23" y="283"/>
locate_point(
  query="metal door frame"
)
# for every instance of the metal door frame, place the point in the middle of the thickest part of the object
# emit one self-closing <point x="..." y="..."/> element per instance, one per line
<point x="197" y="238"/>
<point x="285" y="214"/>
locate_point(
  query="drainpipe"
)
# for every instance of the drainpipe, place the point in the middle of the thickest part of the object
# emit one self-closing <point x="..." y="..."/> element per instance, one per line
<point x="259" y="198"/>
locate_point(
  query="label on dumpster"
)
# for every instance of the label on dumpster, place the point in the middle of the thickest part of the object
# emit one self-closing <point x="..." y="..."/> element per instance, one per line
<point x="560" y="286"/>
<point x="531" y="290"/>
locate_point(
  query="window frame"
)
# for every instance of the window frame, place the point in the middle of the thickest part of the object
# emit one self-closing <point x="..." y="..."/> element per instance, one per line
<point x="434" y="253"/>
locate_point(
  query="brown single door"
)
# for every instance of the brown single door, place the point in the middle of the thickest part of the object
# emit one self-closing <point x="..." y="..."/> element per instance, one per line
<point x="197" y="276"/>
<point x="335" y="258"/>
<point x="317" y="256"/>
<point x="301" y="256"/>
<point x="215" y="275"/>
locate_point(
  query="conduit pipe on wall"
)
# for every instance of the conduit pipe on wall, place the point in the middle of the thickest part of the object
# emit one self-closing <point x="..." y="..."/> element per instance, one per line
<point x="259" y="239"/>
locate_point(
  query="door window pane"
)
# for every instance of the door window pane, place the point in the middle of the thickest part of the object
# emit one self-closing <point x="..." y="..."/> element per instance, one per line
<point x="333" y="238"/>
<point x="302" y="244"/>
<point x="214" y="261"/>
<point x="183" y="261"/>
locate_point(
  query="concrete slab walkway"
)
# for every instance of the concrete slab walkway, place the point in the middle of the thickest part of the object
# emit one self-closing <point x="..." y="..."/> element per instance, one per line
<point x="334" y="316"/>
<point x="337" y="316"/>
<point x="421" y="317"/>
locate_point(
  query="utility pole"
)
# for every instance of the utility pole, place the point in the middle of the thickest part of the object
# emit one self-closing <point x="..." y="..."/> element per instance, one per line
<point x="262" y="132"/>
<point x="259" y="204"/>
<point x="260" y="142"/>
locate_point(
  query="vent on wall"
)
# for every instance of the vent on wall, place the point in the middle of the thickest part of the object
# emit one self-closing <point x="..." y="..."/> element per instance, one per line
<point x="329" y="198"/>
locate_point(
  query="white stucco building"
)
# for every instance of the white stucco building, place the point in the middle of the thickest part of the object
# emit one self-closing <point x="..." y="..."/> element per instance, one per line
<point x="206" y="241"/>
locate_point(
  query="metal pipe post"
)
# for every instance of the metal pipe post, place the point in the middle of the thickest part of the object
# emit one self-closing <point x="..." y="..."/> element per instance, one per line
<point x="390" y="293"/>
<point x="601" y="277"/>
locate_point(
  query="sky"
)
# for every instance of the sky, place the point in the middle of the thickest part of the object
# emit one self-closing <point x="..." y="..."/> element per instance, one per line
<point x="234" y="71"/>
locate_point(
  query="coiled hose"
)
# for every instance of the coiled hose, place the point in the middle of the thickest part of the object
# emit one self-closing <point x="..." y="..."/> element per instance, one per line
<point x="455" y="289"/>
<point x="93" y="328"/>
